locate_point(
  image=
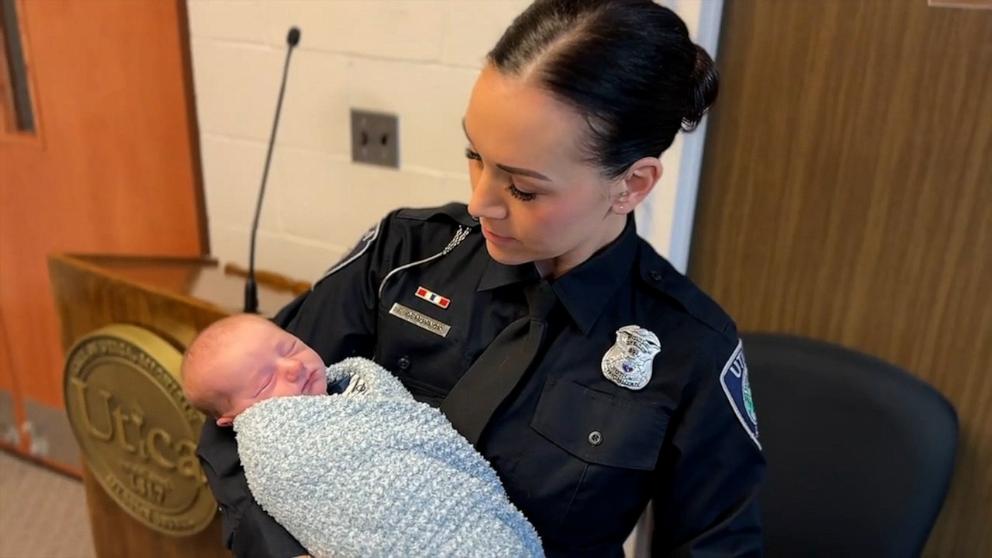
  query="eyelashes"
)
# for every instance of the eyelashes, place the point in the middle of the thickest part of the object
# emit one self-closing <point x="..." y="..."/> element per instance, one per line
<point x="266" y="384"/>
<point x="519" y="194"/>
<point x="511" y="188"/>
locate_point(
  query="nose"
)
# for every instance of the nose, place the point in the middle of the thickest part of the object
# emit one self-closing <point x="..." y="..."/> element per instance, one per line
<point x="486" y="201"/>
<point x="292" y="369"/>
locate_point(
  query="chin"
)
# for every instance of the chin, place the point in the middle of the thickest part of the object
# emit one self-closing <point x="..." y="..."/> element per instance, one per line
<point x="319" y="388"/>
<point x="507" y="257"/>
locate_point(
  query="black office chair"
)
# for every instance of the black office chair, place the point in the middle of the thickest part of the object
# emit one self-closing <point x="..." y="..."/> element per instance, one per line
<point x="860" y="453"/>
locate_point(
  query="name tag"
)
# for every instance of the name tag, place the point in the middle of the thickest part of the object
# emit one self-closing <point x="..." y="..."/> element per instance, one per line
<point x="420" y="320"/>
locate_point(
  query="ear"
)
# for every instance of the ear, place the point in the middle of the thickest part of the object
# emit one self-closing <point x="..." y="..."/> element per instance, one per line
<point x="225" y="422"/>
<point x="636" y="184"/>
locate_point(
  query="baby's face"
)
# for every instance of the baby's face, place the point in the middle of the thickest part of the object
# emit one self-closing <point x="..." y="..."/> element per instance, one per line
<point x="263" y="361"/>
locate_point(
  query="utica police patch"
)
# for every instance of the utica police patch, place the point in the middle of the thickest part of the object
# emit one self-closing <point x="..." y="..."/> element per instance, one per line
<point x="738" y="390"/>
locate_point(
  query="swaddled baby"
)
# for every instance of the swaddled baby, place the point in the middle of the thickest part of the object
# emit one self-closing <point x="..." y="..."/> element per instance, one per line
<point x="367" y="472"/>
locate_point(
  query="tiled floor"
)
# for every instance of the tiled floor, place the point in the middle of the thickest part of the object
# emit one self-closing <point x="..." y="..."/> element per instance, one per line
<point x="42" y="513"/>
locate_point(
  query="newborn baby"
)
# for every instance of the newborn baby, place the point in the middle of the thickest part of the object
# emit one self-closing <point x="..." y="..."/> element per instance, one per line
<point x="368" y="472"/>
<point x="241" y="360"/>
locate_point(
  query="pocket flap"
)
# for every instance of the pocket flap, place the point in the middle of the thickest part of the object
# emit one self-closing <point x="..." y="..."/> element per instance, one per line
<point x="599" y="428"/>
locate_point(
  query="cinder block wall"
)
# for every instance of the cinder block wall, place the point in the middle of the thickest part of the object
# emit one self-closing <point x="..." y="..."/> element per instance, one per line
<point x="414" y="58"/>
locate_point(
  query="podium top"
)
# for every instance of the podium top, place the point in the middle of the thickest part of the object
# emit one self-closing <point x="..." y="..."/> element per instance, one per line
<point x="199" y="279"/>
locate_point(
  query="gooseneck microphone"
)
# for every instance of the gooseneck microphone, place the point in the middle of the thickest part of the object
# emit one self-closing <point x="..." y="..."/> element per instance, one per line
<point x="251" y="289"/>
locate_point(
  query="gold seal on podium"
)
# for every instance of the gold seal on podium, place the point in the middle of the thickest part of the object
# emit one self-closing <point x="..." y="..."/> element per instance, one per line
<point x="136" y="429"/>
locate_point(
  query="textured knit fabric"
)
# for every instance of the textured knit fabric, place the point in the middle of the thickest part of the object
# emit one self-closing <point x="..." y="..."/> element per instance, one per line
<point x="372" y="472"/>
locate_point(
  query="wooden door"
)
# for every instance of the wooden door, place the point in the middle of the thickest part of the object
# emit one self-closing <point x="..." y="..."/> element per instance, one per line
<point x="847" y="195"/>
<point x="111" y="167"/>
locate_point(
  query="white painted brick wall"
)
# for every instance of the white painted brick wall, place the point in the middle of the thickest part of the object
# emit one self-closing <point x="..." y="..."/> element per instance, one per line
<point x="414" y="58"/>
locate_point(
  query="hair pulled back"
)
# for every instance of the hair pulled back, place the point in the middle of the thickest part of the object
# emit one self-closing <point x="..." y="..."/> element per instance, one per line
<point x="627" y="66"/>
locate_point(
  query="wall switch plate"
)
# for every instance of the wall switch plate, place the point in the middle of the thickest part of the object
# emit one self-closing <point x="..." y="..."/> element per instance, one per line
<point x="375" y="138"/>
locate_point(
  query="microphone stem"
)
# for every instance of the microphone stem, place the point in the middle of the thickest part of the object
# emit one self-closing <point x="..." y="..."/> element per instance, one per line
<point x="251" y="296"/>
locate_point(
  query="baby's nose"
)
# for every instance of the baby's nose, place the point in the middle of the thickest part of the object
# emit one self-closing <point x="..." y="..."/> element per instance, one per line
<point x="292" y="369"/>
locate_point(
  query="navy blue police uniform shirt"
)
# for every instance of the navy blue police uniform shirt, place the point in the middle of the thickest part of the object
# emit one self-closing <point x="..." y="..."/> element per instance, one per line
<point x="580" y="455"/>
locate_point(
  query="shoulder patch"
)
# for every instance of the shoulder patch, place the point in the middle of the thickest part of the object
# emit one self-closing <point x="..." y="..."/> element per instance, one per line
<point x="736" y="386"/>
<point x="457" y="212"/>
<point x="367" y="240"/>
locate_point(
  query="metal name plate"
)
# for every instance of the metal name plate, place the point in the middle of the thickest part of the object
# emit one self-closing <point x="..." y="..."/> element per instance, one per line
<point x="135" y="428"/>
<point x="420" y="320"/>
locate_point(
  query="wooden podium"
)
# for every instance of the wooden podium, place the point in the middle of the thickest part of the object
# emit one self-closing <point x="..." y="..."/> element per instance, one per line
<point x="173" y="299"/>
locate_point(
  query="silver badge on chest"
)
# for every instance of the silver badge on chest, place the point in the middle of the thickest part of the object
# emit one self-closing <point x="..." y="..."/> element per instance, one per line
<point x="628" y="362"/>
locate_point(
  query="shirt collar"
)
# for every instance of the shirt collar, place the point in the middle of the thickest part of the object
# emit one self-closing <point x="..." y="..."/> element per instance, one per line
<point x="499" y="275"/>
<point x="583" y="291"/>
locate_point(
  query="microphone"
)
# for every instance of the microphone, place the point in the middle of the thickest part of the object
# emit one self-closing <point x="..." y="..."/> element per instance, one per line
<point x="251" y="289"/>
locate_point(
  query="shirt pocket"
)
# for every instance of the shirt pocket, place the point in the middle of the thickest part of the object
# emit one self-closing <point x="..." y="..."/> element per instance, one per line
<point x="600" y="428"/>
<point x="427" y="363"/>
<point x="592" y="476"/>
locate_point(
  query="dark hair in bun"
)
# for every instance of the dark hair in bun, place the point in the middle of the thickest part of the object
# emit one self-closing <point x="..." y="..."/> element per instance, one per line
<point x="627" y="66"/>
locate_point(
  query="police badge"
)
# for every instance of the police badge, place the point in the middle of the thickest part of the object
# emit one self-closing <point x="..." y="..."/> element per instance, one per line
<point x="628" y="362"/>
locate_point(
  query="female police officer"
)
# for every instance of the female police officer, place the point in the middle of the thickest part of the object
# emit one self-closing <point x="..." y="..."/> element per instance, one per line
<point x="591" y="374"/>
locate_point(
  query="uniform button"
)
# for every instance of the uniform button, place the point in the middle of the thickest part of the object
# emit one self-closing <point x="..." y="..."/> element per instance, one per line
<point x="403" y="363"/>
<point x="655" y="274"/>
<point x="595" y="438"/>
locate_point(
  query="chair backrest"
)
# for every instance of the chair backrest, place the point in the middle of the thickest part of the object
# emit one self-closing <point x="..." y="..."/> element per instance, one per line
<point x="860" y="453"/>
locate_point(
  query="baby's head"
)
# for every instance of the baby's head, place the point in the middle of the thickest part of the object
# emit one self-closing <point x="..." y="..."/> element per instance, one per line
<point x="243" y="359"/>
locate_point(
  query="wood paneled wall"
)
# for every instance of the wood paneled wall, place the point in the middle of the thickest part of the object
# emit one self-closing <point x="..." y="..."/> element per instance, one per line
<point x="847" y="195"/>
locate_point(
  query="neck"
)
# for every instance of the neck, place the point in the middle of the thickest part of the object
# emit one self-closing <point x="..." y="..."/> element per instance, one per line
<point x="556" y="267"/>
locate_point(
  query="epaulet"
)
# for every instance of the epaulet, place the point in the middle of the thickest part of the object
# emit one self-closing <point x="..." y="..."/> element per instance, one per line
<point x="457" y="212"/>
<point x="659" y="275"/>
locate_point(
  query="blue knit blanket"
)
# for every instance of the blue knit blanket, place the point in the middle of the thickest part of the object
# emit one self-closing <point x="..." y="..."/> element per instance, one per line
<point x="372" y="472"/>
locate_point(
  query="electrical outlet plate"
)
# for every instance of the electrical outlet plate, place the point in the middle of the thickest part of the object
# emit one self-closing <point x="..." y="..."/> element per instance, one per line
<point x="375" y="138"/>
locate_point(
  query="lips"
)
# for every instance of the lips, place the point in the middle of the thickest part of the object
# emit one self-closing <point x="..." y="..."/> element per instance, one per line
<point x="307" y="384"/>
<point x="490" y="235"/>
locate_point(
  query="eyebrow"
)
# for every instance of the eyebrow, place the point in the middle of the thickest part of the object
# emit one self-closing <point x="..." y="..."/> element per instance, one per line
<point x="508" y="168"/>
